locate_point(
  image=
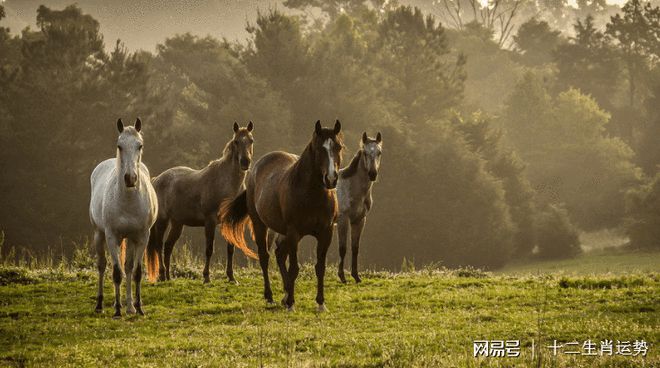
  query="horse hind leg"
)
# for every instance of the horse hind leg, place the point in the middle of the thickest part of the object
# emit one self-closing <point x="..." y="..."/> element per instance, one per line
<point x="101" y="262"/>
<point x="342" y="232"/>
<point x="156" y="236"/>
<point x="209" y="230"/>
<point x="260" y="234"/>
<point x="230" y="263"/>
<point x="356" y="234"/>
<point x="172" y="237"/>
<point x="282" y="253"/>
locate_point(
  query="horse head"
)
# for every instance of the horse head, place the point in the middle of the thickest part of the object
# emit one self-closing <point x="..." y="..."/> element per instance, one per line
<point x="327" y="145"/>
<point x="129" y="152"/>
<point x="371" y="151"/>
<point x="242" y="145"/>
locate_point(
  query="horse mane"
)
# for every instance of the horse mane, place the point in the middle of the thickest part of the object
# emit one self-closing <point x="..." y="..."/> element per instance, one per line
<point x="352" y="168"/>
<point x="228" y="151"/>
<point x="304" y="159"/>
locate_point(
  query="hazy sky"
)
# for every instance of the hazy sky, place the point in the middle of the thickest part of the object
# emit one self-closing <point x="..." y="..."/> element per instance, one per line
<point x="145" y="23"/>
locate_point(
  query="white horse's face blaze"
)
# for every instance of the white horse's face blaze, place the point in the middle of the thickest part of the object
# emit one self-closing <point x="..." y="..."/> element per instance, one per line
<point x="331" y="172"/>
<point x="372" y="153"/>
<point x="129" y="156"/>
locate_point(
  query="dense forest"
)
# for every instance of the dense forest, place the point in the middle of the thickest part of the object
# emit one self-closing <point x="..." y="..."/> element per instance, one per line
<point x="508" y="128"/>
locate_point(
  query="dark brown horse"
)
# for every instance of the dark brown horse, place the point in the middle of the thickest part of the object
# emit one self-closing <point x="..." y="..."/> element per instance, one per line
<point x="193" y="197"/>
<point x="294" y="197"/>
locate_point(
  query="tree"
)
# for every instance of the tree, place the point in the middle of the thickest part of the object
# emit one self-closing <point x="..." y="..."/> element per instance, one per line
<point x="589" y="63"/>
<point x="571" y="158"/>
<point x="505" y="165"/>
<point x="413" y="50"/>
<point x="643" y="208"/>
<point x="498" y="16"/>
<point x="536" y="41"/>
<point x="637" y="33"/>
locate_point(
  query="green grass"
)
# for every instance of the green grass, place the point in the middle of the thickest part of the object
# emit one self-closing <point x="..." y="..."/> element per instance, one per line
<point x="427" y="318"/>
<point x="614" y="262"/>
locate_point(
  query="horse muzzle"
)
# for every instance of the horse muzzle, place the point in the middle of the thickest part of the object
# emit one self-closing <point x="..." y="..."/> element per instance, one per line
<point x="330" y="183"/>
<point x="245" y="163"/>
<point x="373" y="175"/>
<point x="130" y="180"/>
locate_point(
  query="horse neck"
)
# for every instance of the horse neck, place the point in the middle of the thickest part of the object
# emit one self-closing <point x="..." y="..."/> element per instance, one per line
<point x="305" y="172"/>
<point x="223" y="169"/>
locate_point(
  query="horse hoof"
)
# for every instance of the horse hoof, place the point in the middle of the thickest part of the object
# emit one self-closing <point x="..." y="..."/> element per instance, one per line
<point x="321" y="308"/>
<point x="130" y="309"/>
<point x="117" y="315"/>
<point x="284" y="299"/>
<point x="233" y="281"/>
<point x="357" y="279"/>
<point x="291" y="309"/>
<point x="342" y="278"/>
<point x="98" y="310"/>
<point x="139" y="311"/>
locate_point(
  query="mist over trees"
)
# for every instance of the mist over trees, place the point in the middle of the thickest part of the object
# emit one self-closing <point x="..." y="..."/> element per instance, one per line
<point x="500" y="142"/>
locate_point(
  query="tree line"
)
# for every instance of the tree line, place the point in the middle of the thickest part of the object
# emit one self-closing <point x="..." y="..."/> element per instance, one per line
<point x="491" y="151"/>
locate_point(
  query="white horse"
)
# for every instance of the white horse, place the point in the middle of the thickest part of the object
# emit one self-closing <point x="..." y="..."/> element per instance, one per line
<point x="354" y="198"/>
<point x="122" y="209"/>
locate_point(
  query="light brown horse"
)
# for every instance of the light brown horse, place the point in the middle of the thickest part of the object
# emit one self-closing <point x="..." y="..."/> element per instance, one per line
<point x="294" y="197"/>
<point x="193" y="197"/>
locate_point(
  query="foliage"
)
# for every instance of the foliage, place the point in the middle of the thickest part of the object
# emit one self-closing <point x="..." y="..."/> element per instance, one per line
<point x="536" y="41"/>
<point x="644" y="215"/>
<point x="472" y="158"/>
<point x="557" y="237"/>
<point x="571" y="158"/>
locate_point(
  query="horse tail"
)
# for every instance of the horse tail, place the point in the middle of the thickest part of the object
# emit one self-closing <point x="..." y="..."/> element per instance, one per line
<point x="233" y="219"/>
<point x="153" y="259"/>
<point x="122" y="254"/>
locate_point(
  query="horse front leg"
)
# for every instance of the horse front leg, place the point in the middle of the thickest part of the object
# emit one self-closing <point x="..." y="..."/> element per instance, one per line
<point x="323" y="243"/>
<point x="209" y="229"/>
<point x="129" y="269"/>
<point x="114" y="248"/>
<point x="356" y="234"/>
<point x="342" y="232"/>
<point x="101" y="263"/>
<point x="137" y="274"/>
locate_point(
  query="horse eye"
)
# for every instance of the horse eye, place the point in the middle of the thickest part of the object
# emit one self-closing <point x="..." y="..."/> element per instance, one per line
<point x="140" y="147"/>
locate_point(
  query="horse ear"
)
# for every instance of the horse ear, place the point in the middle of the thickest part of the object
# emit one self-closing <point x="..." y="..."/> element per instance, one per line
<point x="337" y="127"/>
<point x="250" y="126"/>
<point x="379" y="138"/>
<point x="120" y="125"/>
<point x="138" y="125"/>
<point x="364" y="137"/>
<point x="235" y="127"/>
<point x="317" y="127"/>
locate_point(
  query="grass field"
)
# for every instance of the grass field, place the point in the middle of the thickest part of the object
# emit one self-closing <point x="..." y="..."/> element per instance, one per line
<point x="427" y="318"/>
